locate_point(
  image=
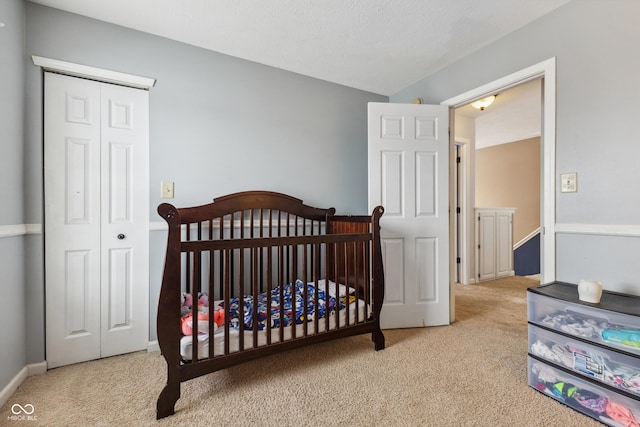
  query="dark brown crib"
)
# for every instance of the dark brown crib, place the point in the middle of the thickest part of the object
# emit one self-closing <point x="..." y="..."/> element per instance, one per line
<point x="250" y="248"/>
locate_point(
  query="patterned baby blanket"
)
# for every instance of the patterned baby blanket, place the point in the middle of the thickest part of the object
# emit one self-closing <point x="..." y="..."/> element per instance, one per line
<point x="293" y="302"/>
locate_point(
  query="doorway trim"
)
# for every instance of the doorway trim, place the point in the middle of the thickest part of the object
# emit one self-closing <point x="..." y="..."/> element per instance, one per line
<point x="545" y="70"/>
<point x="92" y="73"/>
<point x="99" y="75"/>
<point x="462" y="218"/>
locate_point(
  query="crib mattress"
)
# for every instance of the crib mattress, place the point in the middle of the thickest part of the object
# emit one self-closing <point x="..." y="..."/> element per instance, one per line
<point x="204" y="341"/>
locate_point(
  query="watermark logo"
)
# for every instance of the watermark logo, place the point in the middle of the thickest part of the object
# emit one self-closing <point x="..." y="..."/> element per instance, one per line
<point x="18" y="409"/>
<point x="22" y="412"/>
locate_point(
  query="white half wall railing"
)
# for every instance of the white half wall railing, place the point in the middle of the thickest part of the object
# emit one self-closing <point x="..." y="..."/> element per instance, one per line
<point x="525" y="239"/>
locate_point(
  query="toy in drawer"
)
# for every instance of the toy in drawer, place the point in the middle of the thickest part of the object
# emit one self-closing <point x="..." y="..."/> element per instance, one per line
<point x="607" y="366"/>
<point x="609" y="328"/>
<point x="584" y="396"/>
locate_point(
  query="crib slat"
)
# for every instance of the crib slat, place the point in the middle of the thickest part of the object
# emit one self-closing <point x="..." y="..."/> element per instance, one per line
<point x="328" y="265"/>
<point x="281" y="290"/>
<point x="269" y="290"/>
<point x="316" y="297"/>
<point x="256" y="295"/>
<point x="194" y="305"/>
<point x="305" y="292"/>
<point x="292" y="276"/>
<point x="226" y="298"/>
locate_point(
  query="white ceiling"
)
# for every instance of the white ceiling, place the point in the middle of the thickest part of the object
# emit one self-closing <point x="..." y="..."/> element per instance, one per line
<point x="516" y="114"/>
<point x="380" y="46"/>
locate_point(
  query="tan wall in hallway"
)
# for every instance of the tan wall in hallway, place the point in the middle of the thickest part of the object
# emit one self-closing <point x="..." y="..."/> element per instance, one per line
<point x="508" y="175"/>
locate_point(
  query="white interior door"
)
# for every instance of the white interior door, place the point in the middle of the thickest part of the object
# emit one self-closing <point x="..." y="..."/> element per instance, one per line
<point x="504" y="244"/>
<point x="409" y="176"/>
<point x="486" y="245"/>
<point x="96" y="219"/>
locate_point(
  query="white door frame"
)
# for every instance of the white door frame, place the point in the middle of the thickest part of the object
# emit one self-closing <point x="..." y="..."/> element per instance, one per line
<point x="92" y="73"/>
<point x="100" y="75"/>
<point x="462" y="223"/>
<point x="547" y="71"/>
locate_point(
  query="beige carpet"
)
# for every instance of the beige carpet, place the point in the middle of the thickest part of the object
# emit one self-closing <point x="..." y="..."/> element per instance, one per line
<point x="472" y="373"/>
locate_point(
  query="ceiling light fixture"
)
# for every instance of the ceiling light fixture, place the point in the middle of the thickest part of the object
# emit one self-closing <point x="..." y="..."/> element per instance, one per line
<point x="483" y="103"/>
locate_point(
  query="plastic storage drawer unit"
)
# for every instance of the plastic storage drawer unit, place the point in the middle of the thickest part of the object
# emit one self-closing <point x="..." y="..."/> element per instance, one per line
<point x="604" y="365"/>
<point x="584" y="396"/>
<point x="610" y="328"/>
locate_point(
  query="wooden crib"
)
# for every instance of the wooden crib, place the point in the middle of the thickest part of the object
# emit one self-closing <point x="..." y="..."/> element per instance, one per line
<point x="277" y="274"/>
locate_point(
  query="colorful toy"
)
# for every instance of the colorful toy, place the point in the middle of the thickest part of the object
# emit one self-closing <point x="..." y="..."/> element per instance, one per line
<point x="187" y="303"/>
<point x="186" y="323"/>
<point x="563" y="390"/>
<point x="203" y="300"/>
<point x="628" y="337"/>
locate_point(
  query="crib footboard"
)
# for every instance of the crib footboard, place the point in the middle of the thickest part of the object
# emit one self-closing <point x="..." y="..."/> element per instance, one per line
<point x="257" y="273"/>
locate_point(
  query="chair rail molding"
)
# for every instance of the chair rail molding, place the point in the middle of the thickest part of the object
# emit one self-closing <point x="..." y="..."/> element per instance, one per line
<point x="19" y="229"/>
<point x="620" y="230"/>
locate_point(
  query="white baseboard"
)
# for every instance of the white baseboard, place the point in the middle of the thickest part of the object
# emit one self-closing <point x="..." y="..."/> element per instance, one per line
<point x="27" y="371"/>
<point x="13" y="385"/>
<point x="153" y="346"/>
<point x="37" y="368"/>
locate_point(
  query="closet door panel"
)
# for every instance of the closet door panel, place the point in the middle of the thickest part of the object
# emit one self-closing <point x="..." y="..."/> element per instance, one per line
<point x="72" y="219"/>
<point x="125" y="225"/>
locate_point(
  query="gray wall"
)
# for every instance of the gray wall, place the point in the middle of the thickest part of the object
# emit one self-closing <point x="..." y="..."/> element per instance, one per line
<point x="217" y="125"/>
<point x="12" y="282"/>
<point x="598" y="61"/>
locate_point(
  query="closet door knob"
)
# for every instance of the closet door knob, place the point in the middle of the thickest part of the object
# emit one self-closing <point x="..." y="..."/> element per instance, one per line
<point x="121" y="236"/>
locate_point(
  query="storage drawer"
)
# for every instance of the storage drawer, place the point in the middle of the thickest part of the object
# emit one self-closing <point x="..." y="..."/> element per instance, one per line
<point x="597" y="325"/>
<point x="617" y="370"/>
<point x="590" y="399"/>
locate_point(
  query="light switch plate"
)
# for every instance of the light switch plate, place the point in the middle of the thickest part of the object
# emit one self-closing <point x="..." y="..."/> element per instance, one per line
<point x="569" y="182"/>
<point x="166" y="190"/>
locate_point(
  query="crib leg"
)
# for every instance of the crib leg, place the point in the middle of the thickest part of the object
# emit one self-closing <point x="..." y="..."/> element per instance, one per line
<point x="378" y="339"/>
<point x="167" y="400"/>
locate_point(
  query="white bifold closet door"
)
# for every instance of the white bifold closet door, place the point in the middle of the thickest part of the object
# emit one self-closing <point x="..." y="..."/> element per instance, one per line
<point x="96" y="173"/>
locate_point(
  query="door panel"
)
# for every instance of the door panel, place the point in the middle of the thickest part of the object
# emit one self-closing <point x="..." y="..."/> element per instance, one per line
<point x="504" y="246"/>
<point x="72" y="219"/>
<point x="125" y="224"/>
<point x="408" y="175"/>
<point x="487" y="248"/>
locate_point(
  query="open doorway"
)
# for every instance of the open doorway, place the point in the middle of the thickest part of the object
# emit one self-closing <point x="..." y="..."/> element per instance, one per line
<point x="504" y="154"/>
<point x="546" y="72"/>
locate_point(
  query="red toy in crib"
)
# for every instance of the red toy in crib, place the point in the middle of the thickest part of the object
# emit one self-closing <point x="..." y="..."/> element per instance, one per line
<point x="186" y="323"/>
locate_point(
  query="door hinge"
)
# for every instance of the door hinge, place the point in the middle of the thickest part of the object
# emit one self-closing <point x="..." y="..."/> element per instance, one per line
<point x="458" y="159"/>
<point x="478" y="246"/>
<point x="458" y="260"/>
<point x="457" y="210"/>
